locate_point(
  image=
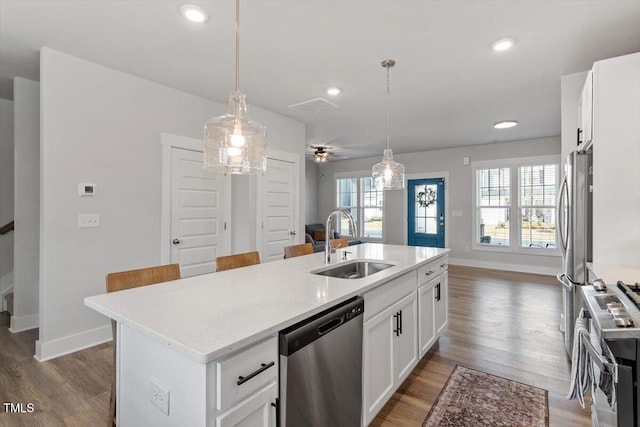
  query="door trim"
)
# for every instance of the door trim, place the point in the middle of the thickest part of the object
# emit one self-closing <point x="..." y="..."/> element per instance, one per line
<point x="285" y="157"/>
<point x="405" y="198"/>
<point x="170" y="141"/>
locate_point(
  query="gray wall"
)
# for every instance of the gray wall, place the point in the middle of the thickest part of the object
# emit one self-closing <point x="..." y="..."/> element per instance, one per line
<point x="103" y="126"/>
<point x="460" y="193"/>
<point x="311" y="185"/>
<point x="27" y="204"/>
<point x="6" y="192"/>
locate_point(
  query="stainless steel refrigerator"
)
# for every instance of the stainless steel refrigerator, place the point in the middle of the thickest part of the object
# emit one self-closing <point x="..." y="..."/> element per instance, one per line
<point x="574" y="235"/>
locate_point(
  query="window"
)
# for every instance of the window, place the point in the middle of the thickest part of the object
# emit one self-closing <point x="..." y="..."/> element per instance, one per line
<point x="365" y="204"/>
<point x="522" y="189"/>
<point x="537" y="206"/>
<point x="494" y="199"/>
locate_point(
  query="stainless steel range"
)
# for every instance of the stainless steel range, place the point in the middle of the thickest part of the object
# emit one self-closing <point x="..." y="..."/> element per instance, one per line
<point x="615" y="351"/>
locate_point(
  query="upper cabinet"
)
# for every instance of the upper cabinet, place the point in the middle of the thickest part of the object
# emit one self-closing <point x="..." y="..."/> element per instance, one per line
<point x="585" y="114"/>
<point x="616" y="160"/>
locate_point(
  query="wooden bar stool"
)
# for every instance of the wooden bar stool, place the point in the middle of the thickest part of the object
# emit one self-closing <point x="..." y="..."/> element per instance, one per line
<point x="342" y="242"/>
<point x="298" y="250"/>
<point x="229" y="262"/>
<point x="127" y="280"/>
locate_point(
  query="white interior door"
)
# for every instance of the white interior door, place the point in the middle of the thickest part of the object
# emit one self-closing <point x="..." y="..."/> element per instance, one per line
<point x="279" y="201"/>
<point x="198" y="219"/>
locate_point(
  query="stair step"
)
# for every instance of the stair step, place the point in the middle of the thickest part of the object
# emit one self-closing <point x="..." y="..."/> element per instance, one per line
<point x="9" y="298"/>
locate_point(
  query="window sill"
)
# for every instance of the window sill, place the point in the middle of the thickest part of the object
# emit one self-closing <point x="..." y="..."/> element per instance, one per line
<point x="517" y="251"/>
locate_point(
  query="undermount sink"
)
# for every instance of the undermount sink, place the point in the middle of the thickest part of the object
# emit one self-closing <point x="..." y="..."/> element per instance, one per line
<point x="353" y="269"/>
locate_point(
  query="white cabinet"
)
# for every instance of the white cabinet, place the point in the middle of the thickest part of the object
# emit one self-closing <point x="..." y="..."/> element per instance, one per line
<point x="259" y="410"/>
<point x="585" y="113"/>
<point x="441" y="305"/>
<point x="616" y="161"/>
<point x="406" y="337"/>
<point x="426" y="317"/>
<point x="378" y="372"/>
<point x="433" y="311"/>
<point x="390" y="353"/>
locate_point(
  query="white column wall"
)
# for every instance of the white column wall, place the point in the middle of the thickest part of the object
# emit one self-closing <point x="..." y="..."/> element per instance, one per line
<point x="27" y="204"/>
<point x="6" y="193"/>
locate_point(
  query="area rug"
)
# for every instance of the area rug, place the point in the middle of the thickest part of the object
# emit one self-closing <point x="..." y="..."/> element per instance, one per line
<point x="474" y="398"/>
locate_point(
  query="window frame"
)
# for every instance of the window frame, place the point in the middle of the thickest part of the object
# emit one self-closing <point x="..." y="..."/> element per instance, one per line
<point x="515" y="230"/>
<point x="360" y="207"/>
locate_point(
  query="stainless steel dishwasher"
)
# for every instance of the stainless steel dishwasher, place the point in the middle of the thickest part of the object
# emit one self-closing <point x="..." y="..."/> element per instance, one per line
<point x="321" y="369"/>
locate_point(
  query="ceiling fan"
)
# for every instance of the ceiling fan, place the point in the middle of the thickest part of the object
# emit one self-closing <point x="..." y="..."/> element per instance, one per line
<point x="321" y="155"/>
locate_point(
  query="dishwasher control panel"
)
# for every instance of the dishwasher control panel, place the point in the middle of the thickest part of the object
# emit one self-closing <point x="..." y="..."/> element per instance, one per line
<point x="354" y="312"/>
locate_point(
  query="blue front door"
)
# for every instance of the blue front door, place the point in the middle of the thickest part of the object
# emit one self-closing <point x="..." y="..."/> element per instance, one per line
<point x="426" y="212"/>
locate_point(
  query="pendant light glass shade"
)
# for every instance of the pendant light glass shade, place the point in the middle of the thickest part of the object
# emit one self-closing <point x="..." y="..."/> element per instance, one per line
<point x="388" y="174"/>
<point x="233" y="143"/>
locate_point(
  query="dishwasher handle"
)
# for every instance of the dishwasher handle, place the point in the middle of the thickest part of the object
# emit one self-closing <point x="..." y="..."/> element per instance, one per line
<point x="330" y="325"/>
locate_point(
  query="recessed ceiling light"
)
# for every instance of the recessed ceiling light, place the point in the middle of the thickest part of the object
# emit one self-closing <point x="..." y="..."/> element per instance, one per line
<point x="505" y="124"/>
<point x="194" y="13"/>
<point x="333" y="91"/>
<point x="503" y="44"/>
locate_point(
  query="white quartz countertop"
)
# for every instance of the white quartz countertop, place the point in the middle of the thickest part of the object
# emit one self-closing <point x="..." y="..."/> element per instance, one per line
<point x="206" y="317"/>
<point x="611" y="273"/>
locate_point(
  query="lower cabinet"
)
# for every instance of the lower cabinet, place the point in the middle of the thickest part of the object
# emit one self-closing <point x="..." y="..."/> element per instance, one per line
<point x="426" y="317"/>
<point x="432" y="307"/>
<point x="390" y="353"/>
<point x="259" y="410"/>
<point x="441" y="306"/>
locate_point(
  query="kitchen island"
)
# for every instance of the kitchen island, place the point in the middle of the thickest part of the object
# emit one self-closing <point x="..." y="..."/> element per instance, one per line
<point x="183" y="344"/>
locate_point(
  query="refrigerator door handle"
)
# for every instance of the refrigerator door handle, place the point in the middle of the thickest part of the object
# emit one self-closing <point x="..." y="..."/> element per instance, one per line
<point x="561" y="224"/>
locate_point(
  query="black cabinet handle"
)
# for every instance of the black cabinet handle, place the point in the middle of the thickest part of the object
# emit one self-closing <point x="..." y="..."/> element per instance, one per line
<point x="400" y="321"/>
<point x="438" y="291"/>
<point x="277" y="406"/>
<point x="578" y="136"/>
<point x="264" y="367"/>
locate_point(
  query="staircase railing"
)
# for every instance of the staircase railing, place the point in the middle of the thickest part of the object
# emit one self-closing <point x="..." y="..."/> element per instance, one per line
<point x="6" y="228"/>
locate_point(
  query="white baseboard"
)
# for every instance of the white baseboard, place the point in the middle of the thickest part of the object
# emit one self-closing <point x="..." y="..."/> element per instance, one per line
<point x="24" y="323"/>
<point x="55" y="348"/>
<point x="521" y="268"/>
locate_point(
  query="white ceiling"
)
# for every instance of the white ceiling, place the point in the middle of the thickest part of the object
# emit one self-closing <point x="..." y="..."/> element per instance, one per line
<point x="447" y="89"/>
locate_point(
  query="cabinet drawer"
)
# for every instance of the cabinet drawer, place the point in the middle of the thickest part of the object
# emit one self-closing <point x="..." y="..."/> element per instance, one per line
<point x="388" y="293"/>
<point x="431" y="270"/>
<point x="253" y="368"/>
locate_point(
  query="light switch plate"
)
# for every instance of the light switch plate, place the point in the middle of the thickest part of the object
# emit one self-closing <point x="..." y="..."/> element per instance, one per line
<point x="159" y="395"/>
<point x="88" y="220"/>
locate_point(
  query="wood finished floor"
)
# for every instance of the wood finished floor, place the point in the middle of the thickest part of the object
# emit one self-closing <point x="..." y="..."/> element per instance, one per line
<point x="499" y="322"/>
<point x="502" y="323"/>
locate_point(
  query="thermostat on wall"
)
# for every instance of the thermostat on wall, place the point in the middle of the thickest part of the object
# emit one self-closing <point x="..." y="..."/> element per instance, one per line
<point x="87" y="189"/>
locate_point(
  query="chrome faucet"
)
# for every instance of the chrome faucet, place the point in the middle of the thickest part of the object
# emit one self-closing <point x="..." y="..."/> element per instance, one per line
<point x="353" y="230"/>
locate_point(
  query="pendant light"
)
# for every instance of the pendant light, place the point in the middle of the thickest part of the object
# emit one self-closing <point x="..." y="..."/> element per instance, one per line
<point x="388" y="175"/>
<point x="233" y="143"/>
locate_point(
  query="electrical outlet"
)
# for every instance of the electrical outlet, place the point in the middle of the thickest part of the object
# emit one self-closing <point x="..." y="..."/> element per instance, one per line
<point x="159" y="396"/>
<point x="88" y="220"/>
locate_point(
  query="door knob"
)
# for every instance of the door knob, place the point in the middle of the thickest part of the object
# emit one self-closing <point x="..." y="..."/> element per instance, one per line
<point x="176" y="241"/>
<point x="292" y="232"/>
